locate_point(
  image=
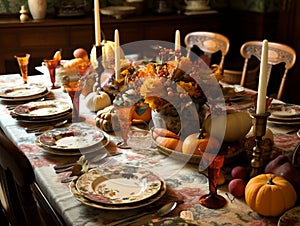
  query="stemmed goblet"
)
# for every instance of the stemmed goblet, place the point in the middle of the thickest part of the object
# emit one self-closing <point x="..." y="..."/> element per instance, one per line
<point x="74" y="88"/>
<point x="124" y="114"/>
<point x="23" y="60"/>
<point x="52" y="64"/>
<point x="213" y="200"/>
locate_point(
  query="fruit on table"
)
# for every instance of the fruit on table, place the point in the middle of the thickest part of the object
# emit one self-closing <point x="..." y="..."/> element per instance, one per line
<point x="237" y="187"/>
<point x="270" y="195"/>
<point x="198" y="143"/>
<point x="287" y="166"/>
<point x="236" y="125"/>
<point x="167" y="138"/>
<point x="239" y="172"/>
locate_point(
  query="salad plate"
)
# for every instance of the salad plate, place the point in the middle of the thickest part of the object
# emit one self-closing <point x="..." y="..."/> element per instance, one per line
<point x="118" y="185"/>
<point x="41" y="109"/>
<point x="93" y="149"/>
<point x="78" y="196"/>
<point x="71" y="138"/>
<point x="23" y="92"/>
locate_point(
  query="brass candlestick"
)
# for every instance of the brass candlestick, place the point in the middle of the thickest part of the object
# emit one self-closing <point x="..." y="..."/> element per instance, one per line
<point x="259" y="126"/>
<point x="99" y="70"/>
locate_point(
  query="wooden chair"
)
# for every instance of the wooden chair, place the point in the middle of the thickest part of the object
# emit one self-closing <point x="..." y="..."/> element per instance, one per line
<point x="277" y="53"/>
<point x="20" y="197"/>
<point x="209" y="43"/>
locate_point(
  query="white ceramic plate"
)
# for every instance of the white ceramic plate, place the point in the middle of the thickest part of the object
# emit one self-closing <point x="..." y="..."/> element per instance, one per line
<point x="290" y="217"/>
<point x="285" y="111"/>
<point x="71" y="138"/>
<point x="118" y="184"/>
<point x="129" y="206"/>
<point x="93" y="149"/>
<point x="118" y="11"/>
<point x="41" y="109"/>
<point x="22" y="91"/>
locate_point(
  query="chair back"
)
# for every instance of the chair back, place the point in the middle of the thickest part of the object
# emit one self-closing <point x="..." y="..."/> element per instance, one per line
<point x="209" y="43"/>
<point x="20" y="197"/>
<point x="277" y="53"/>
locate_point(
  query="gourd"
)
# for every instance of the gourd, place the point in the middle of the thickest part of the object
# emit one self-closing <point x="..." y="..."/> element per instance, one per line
<point x="236" y="125"/>
<point x="105" y="117"/>
<point x="97" y="100"/>
<point x="198" y="143"/>
<point x="270" y="195"/>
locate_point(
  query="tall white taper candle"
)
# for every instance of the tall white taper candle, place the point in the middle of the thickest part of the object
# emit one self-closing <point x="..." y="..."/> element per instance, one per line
<point x="117" y="55"/>
<point x="97" y="23"/>
<point x="177" y="40"/>
<point x="263" y="77"/>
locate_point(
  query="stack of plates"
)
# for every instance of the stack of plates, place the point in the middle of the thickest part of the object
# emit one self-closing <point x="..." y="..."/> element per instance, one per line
<point x="73" y="140"/>
<point x="284" y="114"/>
<point x="118" y="187"/>
<point x="42" y="111"/>
<point x="23" y="92"/>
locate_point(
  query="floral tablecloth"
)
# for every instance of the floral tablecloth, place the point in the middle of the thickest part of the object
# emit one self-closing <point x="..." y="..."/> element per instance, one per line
<point x="185" y="184"/>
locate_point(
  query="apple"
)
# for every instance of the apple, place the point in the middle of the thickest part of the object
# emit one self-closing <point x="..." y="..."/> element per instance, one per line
<point x="239" y="172"/>
<point x="237" y="187"/>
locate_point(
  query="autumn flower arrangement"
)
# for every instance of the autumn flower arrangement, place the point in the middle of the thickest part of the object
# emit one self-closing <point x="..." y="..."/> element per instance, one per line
<point x="177" y="82"/>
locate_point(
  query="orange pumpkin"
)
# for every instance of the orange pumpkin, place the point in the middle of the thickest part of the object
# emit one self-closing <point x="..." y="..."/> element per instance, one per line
<point x="270" y="195"/>
<point x="198" y="143"/>
<point x="141" y="113"/>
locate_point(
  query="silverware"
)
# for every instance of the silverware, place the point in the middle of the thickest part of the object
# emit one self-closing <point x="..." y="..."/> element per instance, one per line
<point x="164" y="210"/>
<point x="45" y="128"/>
<point x="67" y="167"/>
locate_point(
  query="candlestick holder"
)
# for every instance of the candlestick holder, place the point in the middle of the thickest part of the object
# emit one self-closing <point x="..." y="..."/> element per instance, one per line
<point x="258" y="155"/>
<point x="99" y="70"/>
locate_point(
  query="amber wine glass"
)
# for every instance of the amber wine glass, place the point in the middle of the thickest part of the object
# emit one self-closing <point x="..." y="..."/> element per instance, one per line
<point x="23" y="60"/>
<point x="74" y="88"/>
<point x="213" y="200"/>
<point x="124" y="114"/>
<point x="52" y="64"/>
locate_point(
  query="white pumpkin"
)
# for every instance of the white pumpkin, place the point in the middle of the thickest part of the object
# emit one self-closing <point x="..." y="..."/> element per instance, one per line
<point x="235" y="125"/>
<point x="97" y="100"/>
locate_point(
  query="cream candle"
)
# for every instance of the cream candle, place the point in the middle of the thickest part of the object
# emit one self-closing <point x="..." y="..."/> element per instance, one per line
<point x="177" y="40"/>
<point x="117" y="55"/>
<point x="97" y="23"/>
<point x="263" y="77"/>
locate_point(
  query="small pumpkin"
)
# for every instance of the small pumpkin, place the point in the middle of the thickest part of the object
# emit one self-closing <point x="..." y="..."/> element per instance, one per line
<point x="98" y="100"/>
<point x="198" y="143"/>
<point x="105" y="117"/>
<point x="141" y="113"/>
<point x="270" y="195"/>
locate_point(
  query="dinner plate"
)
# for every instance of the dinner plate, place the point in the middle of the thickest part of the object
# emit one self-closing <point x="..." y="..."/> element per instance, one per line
<point x="285" y="110"/>
<point x="290" y="217"/>
<point x="93" y="149"/>
<point x="78" y="196"/>
<point x="26" y="91"/>
<point x="118" y="184"/>
<point x="71" y="138"/>
<point x="41" y="109"/>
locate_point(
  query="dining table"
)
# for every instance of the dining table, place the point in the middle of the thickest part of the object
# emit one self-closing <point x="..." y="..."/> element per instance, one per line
<point x="182" y="180"/>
